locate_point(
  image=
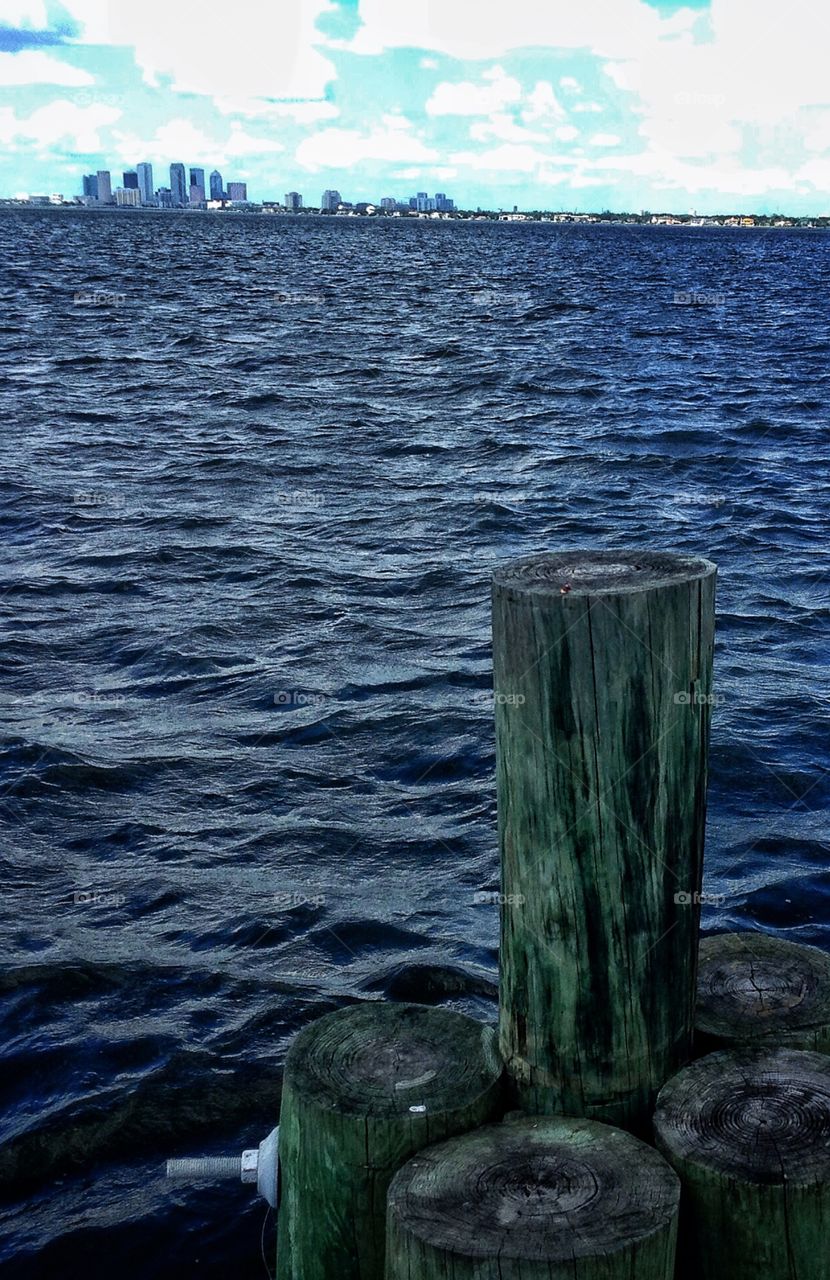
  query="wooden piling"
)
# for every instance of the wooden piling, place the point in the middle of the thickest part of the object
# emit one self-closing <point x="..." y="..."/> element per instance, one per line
<point x="364" y="1089"/>
<point x="748" y="1131"/>
<point x="603" y="667"/>
<point x="540" y="1198"/>
<point x="755" y="989"/>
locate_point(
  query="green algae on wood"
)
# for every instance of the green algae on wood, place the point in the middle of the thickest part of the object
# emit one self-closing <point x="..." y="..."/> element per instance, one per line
<point x="754" y="989"/>
<point x="603" y="692"/>
<point x="364" y="1089"/>
<point x="748" y="1132"/>
<point x="535" y="1198"/>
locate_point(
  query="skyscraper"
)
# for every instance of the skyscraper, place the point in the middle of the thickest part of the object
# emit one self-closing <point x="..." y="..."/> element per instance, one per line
<point x="217" y="191"/>
<point x="130" y="180"/>
<point x="145" y="183"/>
<point x="237" y="191"/>
<point x="90" y="186"/>
<point x="178" y="190"/>
<point x="293" y="201"/>
<point x="104" y="187"/>
<point x="422" y="201"/>
<point x="330" y="201"/>
<point x="197" y="186"/>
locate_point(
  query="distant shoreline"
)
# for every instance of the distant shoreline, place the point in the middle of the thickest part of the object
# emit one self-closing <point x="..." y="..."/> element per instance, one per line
<point x="736" y="222"/>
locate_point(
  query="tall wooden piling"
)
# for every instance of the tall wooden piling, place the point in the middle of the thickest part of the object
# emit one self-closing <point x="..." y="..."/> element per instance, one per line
<point x="364" y="1089"/>
<point x="541" y="1198"/>
<point x="603" y="669"/>
<point x="748" y="1132"/>
<point x="754" y="989"/>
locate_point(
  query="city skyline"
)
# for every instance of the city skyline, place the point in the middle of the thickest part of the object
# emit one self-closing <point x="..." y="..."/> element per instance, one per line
<point x="188" y="188"/>
<point x="647" y="103"/>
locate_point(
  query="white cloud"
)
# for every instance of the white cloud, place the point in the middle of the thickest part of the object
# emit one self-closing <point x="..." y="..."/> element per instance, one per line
<point x="341" y="148"/>
<point x="467" y="99"/>
<point x="502" y="128"/>
<point x="60" y="122"/>
<point x="567" y="133"/>
<point x="472" y="29"/>
<point x="428" y="64"/>
<point x="542" y="103"/>
<point x="605" y="140"/>
<point x="586" y="106"/>
<point x="302" y="113"/>
<point x="569" y="83"/>
<point x="241" y="143"/>
<point x="24" y="13"/>
<point x="250" y="51"/>
<point x="31" y="66"/>
<point x="515" y="159"/>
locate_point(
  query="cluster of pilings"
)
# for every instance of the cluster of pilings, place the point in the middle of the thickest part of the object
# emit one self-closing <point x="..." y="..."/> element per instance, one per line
<point x="586" y="1139"/>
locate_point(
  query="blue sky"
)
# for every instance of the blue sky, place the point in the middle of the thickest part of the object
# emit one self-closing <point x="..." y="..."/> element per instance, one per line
<point x="565" y="104"/>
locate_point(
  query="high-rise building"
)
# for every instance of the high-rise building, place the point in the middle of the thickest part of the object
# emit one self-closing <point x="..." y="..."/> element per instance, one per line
<point x="421" y="201"/>
<point x="197" y="186"/>
<point x="217" y="191"/>
<point x="293" y="201"/>
<point x="237" y="191"/>
<point x="104" y="187"/>
<point x="178" y="190"/>
<point x="130" y="180"/>
<point x="90" y="186"/>
<point x="164" y="198"/>
<point x="128" y="196"/>
<point x="388" y="203"/>
<point x="330" y="201"/>
<point x="145" y="182"/>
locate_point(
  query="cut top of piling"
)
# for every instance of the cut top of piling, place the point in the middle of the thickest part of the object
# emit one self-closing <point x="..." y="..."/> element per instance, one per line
<point x="540" y="1188"/>
<point x="384" y="1060"/>
<point x="758" y="1115"/>
<point x="596" y="572"/>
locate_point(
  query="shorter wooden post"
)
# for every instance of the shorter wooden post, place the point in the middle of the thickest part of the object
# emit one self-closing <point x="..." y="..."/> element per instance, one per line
<point x="748" y="1131"/>
<point x="753" y="989"/>
<point x="364" y="1089"/>
<point x="535" y="1198"/>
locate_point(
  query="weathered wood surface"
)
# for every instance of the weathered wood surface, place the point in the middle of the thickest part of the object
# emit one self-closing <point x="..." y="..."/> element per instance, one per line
<point x="538" y="1198"/>
<point x="748" y="1131"/>
<point x="753" y="988"/>
<point x="603" y="670"/>
<point x="364" y="1089"/>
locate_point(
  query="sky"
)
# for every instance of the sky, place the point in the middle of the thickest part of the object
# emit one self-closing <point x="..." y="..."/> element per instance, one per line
<point x="712" y="105"/>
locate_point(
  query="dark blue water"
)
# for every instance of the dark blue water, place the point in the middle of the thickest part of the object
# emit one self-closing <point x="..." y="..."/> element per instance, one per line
<point x="255" y="475"/>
